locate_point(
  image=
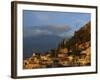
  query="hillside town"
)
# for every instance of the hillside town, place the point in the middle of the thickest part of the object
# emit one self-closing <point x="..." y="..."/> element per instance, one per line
<point x="67" y="54"/>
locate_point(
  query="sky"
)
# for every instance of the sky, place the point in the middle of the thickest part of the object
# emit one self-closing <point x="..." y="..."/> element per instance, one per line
<point x="44" y="30"/>
<point x="53" y="23"/>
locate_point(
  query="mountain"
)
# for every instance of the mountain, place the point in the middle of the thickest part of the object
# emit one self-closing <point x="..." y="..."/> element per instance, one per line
<point x="44" y="43"/>
<point x="79" y="41"/>
<point x="57" y="52"/>
<point x="81" y="36"/>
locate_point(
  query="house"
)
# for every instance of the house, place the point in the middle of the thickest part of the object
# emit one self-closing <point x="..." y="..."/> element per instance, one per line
<point x="62" y="53"/>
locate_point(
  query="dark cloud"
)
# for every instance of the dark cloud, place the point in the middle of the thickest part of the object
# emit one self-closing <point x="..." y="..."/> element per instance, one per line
<point x="58" y="30"/>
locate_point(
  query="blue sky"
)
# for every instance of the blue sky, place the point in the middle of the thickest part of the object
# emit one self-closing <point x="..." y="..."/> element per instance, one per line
<point x="53" y="23"/>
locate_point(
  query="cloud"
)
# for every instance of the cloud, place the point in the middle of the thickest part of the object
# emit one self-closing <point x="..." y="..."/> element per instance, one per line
<point x="36" y="32"/>
<point x="58" y="30"/>
<point x="41" y="32"/>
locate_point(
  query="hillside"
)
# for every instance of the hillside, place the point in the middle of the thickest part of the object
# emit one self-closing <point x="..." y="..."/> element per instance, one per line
<point x="81" y="36"/>
<point x="72" y="52"/>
